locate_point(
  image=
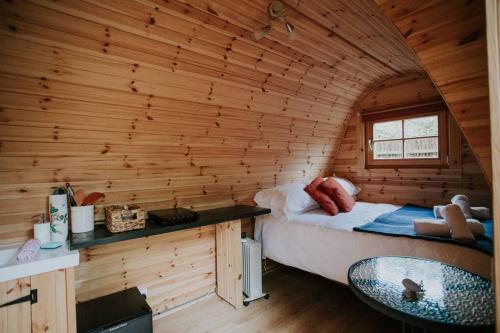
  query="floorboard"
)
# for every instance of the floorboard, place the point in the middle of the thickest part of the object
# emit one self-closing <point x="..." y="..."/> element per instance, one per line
<point x="299" y="302"/>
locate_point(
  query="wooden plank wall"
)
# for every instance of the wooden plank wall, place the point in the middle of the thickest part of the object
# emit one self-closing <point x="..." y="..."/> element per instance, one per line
<point x="175" y="268"/>
<point x="449" y="39"/>
<point x="425" y="187"/>
<point x="163" y="103"/>
<point x="172" y="103"/>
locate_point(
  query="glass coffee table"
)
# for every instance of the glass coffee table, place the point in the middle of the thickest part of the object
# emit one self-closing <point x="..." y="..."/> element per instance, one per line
<point x="453" y="299"/>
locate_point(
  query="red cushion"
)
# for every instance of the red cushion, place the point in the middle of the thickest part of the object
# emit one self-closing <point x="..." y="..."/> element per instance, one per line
<point x="320" y="197"/>
<point x="335" y="191"/>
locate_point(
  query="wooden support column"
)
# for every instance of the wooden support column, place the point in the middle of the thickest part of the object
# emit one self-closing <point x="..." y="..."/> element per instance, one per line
<point x="493" y="38"/>
<point x="229" y="277"/>
<point x="71" y="299"/>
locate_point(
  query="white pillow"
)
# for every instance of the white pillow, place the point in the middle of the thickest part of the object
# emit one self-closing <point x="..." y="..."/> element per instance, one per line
<point x="286" y="200"/>
<point x="348" y="186"/>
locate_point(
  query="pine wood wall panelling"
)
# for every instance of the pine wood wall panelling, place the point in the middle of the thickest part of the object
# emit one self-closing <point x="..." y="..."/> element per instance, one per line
<point x="406" y="90"/>
<point x="315" y="39"/>
<point x="356" y="21"/>
<point x="237" y="48"/>
<point x="171" y="266"/>
<point x="288" y="108"/>
<point x="449" y="39"/>
<point x="266" y="101"/>
<point x="72" y="115"/>
<point x="219" y="63"/>
<point x="254" y="15"/>
<point x="164" y="104"/>
<point x="227" y="98"/>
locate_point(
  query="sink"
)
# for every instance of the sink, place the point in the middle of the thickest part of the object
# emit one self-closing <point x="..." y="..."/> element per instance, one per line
<point x="8" y="255"/>
<point x="45" y="261"/>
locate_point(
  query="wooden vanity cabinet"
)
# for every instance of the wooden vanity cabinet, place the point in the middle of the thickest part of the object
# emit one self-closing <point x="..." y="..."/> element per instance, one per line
<point x="45" y="303"/>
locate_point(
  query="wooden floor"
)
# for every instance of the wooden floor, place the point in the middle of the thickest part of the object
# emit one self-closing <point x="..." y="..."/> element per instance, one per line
<point x="299" y="302"/>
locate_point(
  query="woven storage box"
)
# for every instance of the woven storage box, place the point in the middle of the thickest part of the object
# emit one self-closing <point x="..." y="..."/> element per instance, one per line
<point x="124" y="218"/>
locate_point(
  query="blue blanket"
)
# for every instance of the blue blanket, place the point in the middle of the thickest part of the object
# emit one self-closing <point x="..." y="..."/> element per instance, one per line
<point x="399" y="223"/>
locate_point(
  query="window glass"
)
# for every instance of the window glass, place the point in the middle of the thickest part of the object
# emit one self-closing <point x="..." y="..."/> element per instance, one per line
<point x="422" y="148"/>
<point x="388" y="150"/>
<point x="388" y="130"/>
<point x="421" y="127"/>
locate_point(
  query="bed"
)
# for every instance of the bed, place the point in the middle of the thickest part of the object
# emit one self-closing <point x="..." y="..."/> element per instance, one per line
<point x="327" y="245"/>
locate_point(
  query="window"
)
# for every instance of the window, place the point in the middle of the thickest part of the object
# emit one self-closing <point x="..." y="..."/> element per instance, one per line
<point x="400" y="140"/>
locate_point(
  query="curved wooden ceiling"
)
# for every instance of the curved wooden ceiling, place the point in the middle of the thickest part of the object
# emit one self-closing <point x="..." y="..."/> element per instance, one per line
<point x="339" y="34"/>
<point x="412" y="89"/>
<point x="361" y="24"/>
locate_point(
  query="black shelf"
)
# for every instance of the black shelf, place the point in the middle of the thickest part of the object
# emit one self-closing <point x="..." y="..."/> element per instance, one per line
<point x="101" y="235"/>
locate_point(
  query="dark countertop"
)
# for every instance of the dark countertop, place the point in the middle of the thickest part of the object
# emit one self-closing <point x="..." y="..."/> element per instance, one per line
<point x="101" y="235"/>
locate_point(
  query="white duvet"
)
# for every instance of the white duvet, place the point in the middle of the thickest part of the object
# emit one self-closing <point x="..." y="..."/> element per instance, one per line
<point x="326" y="245"/>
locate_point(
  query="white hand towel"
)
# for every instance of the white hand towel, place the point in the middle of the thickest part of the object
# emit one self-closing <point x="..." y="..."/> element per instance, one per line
<point x="482" y="213"/>
<point x="455" y="219"/>
<point x="462" y="201"/>
<point x="476" y="227"/>
<point x="439" y="228"/>
<point x="431" y="227"/>
<point x="29" y="250"/>
<point x="437" y="212"/>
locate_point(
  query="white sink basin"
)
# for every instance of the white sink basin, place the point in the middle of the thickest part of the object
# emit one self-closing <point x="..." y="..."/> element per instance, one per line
<point x="7" y="254"/>
<point x="45" y="261"/>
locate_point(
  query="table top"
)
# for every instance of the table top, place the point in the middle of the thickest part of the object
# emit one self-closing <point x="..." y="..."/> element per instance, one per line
<point x="452" y="296"/>
<point x="100" y="235"/>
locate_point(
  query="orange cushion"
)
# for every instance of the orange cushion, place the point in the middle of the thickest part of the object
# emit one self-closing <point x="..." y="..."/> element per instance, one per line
<point x="335" y="191"/>
<point x="320" y="197"/>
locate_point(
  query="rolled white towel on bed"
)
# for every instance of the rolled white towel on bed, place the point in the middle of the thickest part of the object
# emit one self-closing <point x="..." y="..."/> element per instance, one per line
<point x="439" y="228"/>
<point x="455" y="219"/>
<point x="437" y="212"/>
<point x="476" y="227"/>
<point x="462" y="201"/>
<point x="482" y="213"/>
<point x="431" y="227"/>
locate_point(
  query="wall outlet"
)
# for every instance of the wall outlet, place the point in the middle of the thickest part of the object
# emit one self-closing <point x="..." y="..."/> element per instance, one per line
<point x="143" y="290"/>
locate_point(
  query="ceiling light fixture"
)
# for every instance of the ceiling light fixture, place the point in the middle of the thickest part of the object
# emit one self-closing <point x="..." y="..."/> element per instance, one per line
<point x="260" y="33"/>
<point x="276" y="12"/>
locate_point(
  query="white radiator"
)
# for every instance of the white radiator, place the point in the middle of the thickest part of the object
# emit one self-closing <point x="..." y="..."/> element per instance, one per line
<point x="252" y="270"/>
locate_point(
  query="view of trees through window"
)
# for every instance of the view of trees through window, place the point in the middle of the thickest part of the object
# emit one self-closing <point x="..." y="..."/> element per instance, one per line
<point x="411" y="138"/>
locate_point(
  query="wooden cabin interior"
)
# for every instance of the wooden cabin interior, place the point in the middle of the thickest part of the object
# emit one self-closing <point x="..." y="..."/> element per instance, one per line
<point x="249" y="166"/>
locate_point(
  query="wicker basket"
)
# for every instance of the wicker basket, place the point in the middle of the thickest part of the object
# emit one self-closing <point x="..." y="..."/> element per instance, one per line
<point x="124" y="218"/>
